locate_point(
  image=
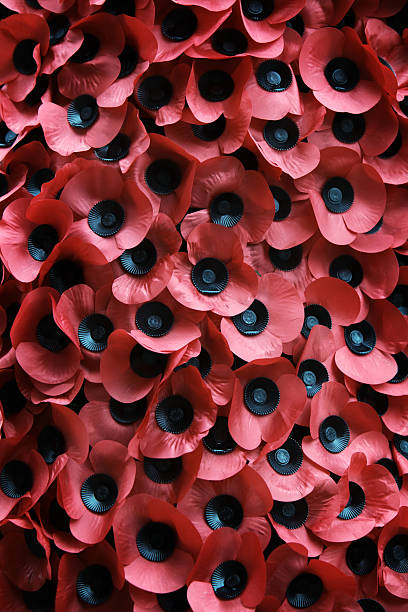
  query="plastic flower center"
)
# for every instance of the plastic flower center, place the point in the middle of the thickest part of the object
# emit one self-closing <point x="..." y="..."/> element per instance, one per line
<point x="342" y="74"/>
<point x="261" y="396"/>
<point x="334" y="434"/>
<point x="361" y="556"/>
<point x="309" y="377"/>
<point x="94" y="585"/>
<point x="291" y="515"/>
<point x="50" y="336"/>
<point x="16" y="479"/>
<point x="51" y="443"/>
<point x="154" y="319"/>
<point x="209" y="276"/>
<point x="41" y="241"/>
<point x="282" y="456"/>
<point x="228" y="41"/>
<point x="215" y="85"/>
<point x="179" y="24"/>
<point x="281" y="135"/>
<point x="338" y="195"/>
<point x="287" y="459"/>
<point x="313" y="374"/>
<point x="82" y="112"/>
<point x="174" y="414"/>
<point x="226" y="209"/>
<point x="360" y="338"/>
<point x="219" y="440"/>
<point x="257" y="10"/>
<point x="304" y="590"/>
<point x="154" y="92"/>
<point x="59" y="26"/>
<point x="99" y="493"/>
<point x="156" y="541"/>
<point x="23" y="59"/>
<point x="117" y="149"/>
<point x="229" y="579"/>
<point x="348" y="269"/>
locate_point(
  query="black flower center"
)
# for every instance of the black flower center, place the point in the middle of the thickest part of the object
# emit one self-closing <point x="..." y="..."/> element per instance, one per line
<point x="315" y="314"/>
<point x="7" y="136"/>
<point x="115" y="150"/>
<point x="229" y="580"/>
<point x="154" y="92"/>
<point x="156" y="541"/>
<point x="11" y="398"/>
<point x="283" y="202"/>
<point x="41" y="241"/>
<point x="16" y="478"/>
<point x="99" y="493"/>
<point x="296" y="23"/>
<point x="140" y="259"/>
<point x="261" y="396"/>
<point x="348" y="128"/>
<point x="313" y="374"/>
<point x="281" y="135"/>
<point x="120" y="7"/>
<point x="209" y="276"/>
<point x="391" y="466"/>
<point x="65" y="274"/>
<point x="287" y="459"/>
<point x="216" y="85"/>
<point x="154" y="319"/>
<point x="223" y="511"/>
<point x="347" y="269"/>
<point x="129" y="412"/>
<point x="247" y="158"/>
<point x="361" y="556"/>
<point x="402" y="372"/>
<point x="37" y="179"/>
<point x="253" y="320"/>
<point x="94" y="585"/>
<point x="286" y="259"/>
<point x="337" y="194"/>
<point x="396" y="553"/>
<point x="355" y="504"/>
<point x="379" y="401"/>
<point x="342" y="74"/>
<point x="202" y="362"/>
<point x="360" y="338"/>
<point x="273" y="76"/>
<point x="87" y="51"/>
<point x="41" y="85"/>
<point x="94" y="331"/>
<point x="50" y="336"/>
<point x="291" y="515"/>
<point x="23" y="59"/>
<point x="147" y="364"/>
<point x="257" y="10"/>
<point x="399" y="297"/>
<point x="401" y="444"/>
<point x="334" y="434"/>
<point x="58" y="517"/>
<point x="226" y="209"/>
<point x="304" y="590"/>
<point x="128" y="61"/>
<point x="229" y="41"/>
<point x="50" y="443"/>
<point x="394" y="147"/>
<point x="83" y="112"/>
<point x="163" y="176"/>
<point x="174" y="414"/>
<point x="106" y="218"/>
<point x="163" y="471"/>
<point x="30" y="536"/>
<point x="219" y="440"/>
<point x="179" y="24"/>
<point x="370" y="605"/>
<point x="176" y="601"/>
<point x="59" y="26"/>
<point x="208" y="132"/>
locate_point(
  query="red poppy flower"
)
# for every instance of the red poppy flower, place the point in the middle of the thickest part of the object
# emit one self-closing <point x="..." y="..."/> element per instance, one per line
<point x="212" y="275"/>
<point x="179" y="415"/>
<point x="240" y="502"/>
<point x="297" y="581"/>
<point x="347" y="197"/>
<point x="344" y="76"/>
<point x="398" y="384"/>
<point x="211" y="93"/>
<point x="393" y="553"/>
<point x="287" y="472"/>
<point x="25" y="556"/>
<point x="161" y="91"/>
<point x="282" y="144"/>
<point x="23" y="478"/>
<point x="162" y="547"/>
<point x="88" y="318"/>
<point x="391" y="164"/>
<point x="164" y="174"/>
<point x="274" y="317"/>
<point x="39" y="169"/>
<point x="93" y="577"/>
<point x="24" y="40"/>
<point x="230" y="196"/>
<point x="268" y="398"/>
<point x="92" y="492"/>
<point x="113" y="213"/>
<point x="229" y="567"/>
<point x="65" y="40"/>
<point x="206" y="140"/>
<point x="29" y="231"/>
<point x="142" y="272"/>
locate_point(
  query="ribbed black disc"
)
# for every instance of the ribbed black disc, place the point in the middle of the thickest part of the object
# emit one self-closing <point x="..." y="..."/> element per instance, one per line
<point x="37" y="179"/>
<point x="208" y="132"/>
<point x="362" y="556"/>
<point x="286" y="259"/>
<point x="396" y="553"/>
<point x="176" y="601"/>
<point x="154" y="319"/>
<point x="163" y="176"/>
<point x="282" y="134"/>
<point x="297" y="24"/>
<point x="257" y="10"/>
<point x="355" y="504"/>
<point x="399" y="297"/>
<point x="11" y="398"/>
<point x="391" y="466"/>
<point x="348" y="269"/>
<point x="315" y="314"/>
<point x="115" y="150"/>
<point x="41" y="241"/>
<point x="342" y="74"/>
<point x="94" y="585"/>
<point x="50" y="336"/>
<point x="370" y="605"/>
<point x="401" y="444"/>
<point x="179" y="24"/>
<point x="99" y="493"/>
<point x="287" y="459"/>
<point x="304" y="590"/>
<point x="273" y="75"/>
<point x="50" y="443"/>
<point x="253" y="320"/>
<point x="219" y="440"/>
<point x="94" y="331"/>
<point x="87" y="51"/>
<point x="283" y="202"/>
<point x="348" y="128"/>
<point x="140" y="259"/>
<point x="129" y="412"/>
<point x="147" y="364"/>
<point x="23" y="59"/>
<point x="261" y="396"/>
<point x="59" y="26"/>
<point x="229" y="41"/>
<point x="360" y="338"/>
<point x="16" y="479"/>
<point x="379" y="401"/>
<point x="174" y="414"/>
<point x="82" y="112"/>
<point x="338" y="194"/>
<point x="334" y="434"/>
<point x="209" y="276"/>
<point x="156" y="541"/>
<point x="291" y="515"/>
<point x="223" y="511"/>
<point x="215" y="85"/>
<point x="7" y="136"/>
<point x="154" y="92"/>
<point x="402" y="362"/>
<point x="163" y="471"/>
<point x="226" y="209"/>
<point x="106" y="218"/>
<point x="128" y="58"/>
<point x="229" y="580"/>
<point x="313" y="374"/>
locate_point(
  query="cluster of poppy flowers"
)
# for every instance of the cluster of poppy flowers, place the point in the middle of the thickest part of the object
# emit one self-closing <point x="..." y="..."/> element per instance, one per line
<point x="203" y="305"/>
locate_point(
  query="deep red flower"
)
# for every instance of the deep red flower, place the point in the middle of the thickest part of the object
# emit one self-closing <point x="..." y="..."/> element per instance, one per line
<point x="212" y="275"/>
<point x="157" y="545"/>
<point x="92" y="492"/>
<point x="92" y="577"/>
<point x="398" y="384"/>
<point x="180" y="413"/>
<point x="265" y="22"/>
<point x="343" y="75"/>
<point x="268" y="399"/>
<point x="393" y="553"/>
<point x="231" y="196"/>
<point x="229" y="567"/>
<point x="240" y="502"/>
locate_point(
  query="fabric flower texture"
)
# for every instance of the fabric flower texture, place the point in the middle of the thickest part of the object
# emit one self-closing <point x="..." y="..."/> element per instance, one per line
<point x="204" y="305"/>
